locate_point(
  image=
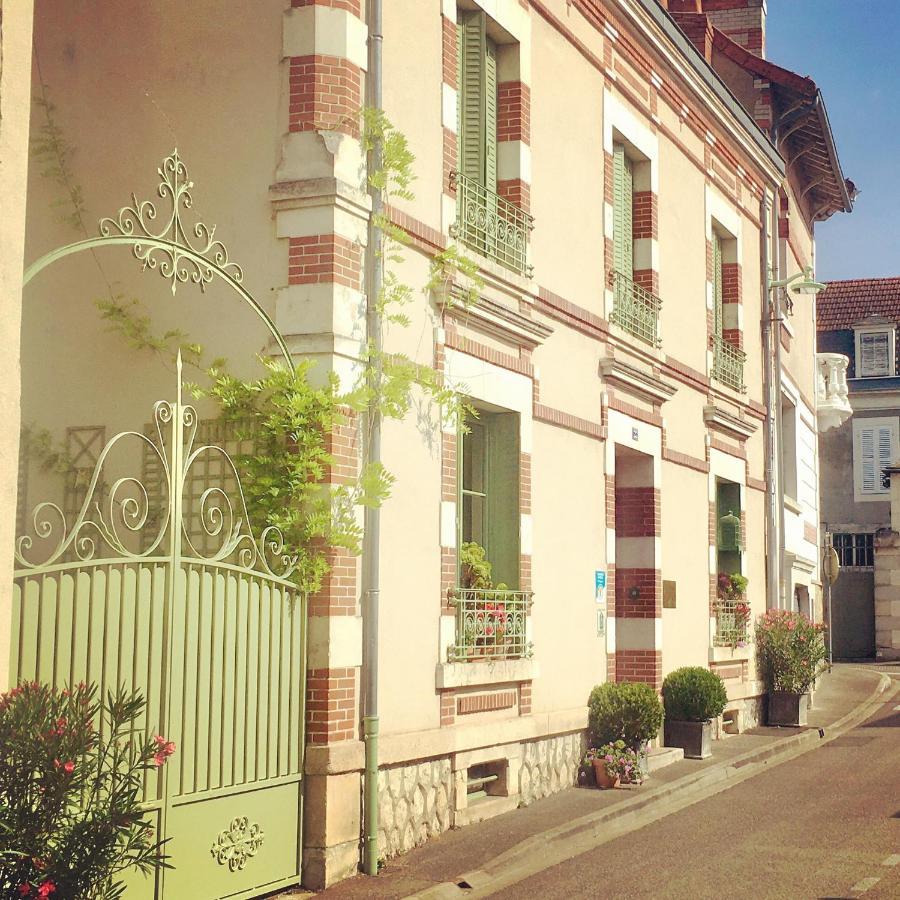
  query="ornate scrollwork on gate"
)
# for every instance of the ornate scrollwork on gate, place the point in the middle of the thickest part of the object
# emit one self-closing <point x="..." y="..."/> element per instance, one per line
<point x="180" y="259"/>
<point x="238" y="843"/>
<point x="120" y="518"/>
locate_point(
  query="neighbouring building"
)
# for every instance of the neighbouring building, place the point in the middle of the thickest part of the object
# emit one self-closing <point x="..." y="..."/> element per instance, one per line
<point x="628" y="175"/>
<point x="857" y="322"/>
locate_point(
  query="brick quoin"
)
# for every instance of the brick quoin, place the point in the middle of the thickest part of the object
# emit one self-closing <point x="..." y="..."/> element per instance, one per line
<point x="515" y="191"/>
<point x="451" y="161"/>
<point x="648" y="279"/>
<point x="648" y="605"/>
<point x="331" y="705"/>
<point x="339" y="593"/>
<point x="325" y="93"/>
<point x="324" y="258"/>
<point x="449" y="52"/>
<point x="645" y="221"/>
<point x="513" y="112"/>
<point x="352" y="6"/>
<point x="448" y="708"/>
<point x="525" y="698"/>
<point x="525" y="483"/>
<point x="639" y="665"/>
<point x="637" y="512"/>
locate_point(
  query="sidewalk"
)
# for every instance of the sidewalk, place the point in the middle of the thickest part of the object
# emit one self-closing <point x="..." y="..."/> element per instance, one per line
<point x="444" y="859"/>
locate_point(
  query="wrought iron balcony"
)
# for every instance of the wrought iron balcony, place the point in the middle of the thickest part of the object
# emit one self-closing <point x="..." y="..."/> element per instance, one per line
<point x="491" y="225"/>
<point x="635" y="309"/>
<point x="732" y="623"/>
<point x="490" y="624"/>
<point x="728" y="363"/>
<point x="832" y="400"/>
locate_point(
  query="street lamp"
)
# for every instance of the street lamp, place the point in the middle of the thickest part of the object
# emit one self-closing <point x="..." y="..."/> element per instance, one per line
<point x="800" y="283"/>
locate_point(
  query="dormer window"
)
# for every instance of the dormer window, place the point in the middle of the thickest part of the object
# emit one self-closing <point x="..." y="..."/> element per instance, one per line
<point x="875" y="352"/>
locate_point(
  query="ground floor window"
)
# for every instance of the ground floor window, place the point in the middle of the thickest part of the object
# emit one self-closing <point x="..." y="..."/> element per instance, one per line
<point x="856" y="551"/>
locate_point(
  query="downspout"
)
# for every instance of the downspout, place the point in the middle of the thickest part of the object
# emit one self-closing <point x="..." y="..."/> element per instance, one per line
<point x="778" y="310"/>
<point x="372" y="524"/>
<point x="772" y="542"/>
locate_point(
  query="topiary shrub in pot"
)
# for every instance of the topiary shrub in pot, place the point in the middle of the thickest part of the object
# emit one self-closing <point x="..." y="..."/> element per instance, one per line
<point x="627" y="711"/>
<point x="692" y="697"/>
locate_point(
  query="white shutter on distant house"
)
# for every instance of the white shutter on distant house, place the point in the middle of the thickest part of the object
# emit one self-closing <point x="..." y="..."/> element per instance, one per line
<point x="875" y="451"/>
<point x="875" y="354"/>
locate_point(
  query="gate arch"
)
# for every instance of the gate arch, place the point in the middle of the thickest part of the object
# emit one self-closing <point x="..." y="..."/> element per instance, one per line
<point x="168" y="589"/>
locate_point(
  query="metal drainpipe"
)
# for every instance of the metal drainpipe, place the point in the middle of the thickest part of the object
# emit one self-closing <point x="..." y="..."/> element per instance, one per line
<point x="772" y="542"/>
<point x="778" y="306"/>
<point x="372" y="538"/>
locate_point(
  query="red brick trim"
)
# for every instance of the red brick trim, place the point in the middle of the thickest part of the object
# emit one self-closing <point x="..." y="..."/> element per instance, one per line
<point x="451" y="161"/>
<point x="610" y="504"/>
<point x="525" y="483"/>
<point x="325" y="93"/>
<point x="524" y="573"/>
<point x="422" y="236"/>
<point x="339" y="593"/>
<point x="577" y="317"/>
<point x="352" y="6"/>
<point x="637" y="512"/>
<point x="756" y="484"/>
<point x="551" y="416"/>
<point x="649" y="582"/>
<point x="683" y="459"/>
<point x="645" y="215"/>
<point x="639" y="665"/>
<point x="449" y="72"/>
<point x="488" y="354"/>
<point x="490" y="702"/>
<point x="810" y="533"/>
<point x="725" y="447"/>
<point x="525" y="698"/>
<point x="635" y="412"/>
<point x="324" y="258"/>
<point x="516" y="191"/>
<point x="331" y="714"/>
<point x="448" y="708"/>
<point x="448" y="577"/>
<point x="513" y="112"/>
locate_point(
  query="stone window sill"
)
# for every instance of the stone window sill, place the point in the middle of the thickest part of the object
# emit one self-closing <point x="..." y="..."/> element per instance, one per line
<point x="728" y="654"/>
<point x="469" y="674"/>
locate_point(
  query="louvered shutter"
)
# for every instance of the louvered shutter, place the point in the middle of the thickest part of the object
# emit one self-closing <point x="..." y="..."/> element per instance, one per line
<point x="623" y="198"/>
<point x="472" y="77"/>
<point x="490" y="116"/>
<point x="874" y="352"/>
<point x="717" y="282"/>
<point x="876" y="454"/>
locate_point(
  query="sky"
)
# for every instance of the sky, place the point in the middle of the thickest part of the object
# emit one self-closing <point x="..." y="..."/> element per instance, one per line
<point x="851" y="49"/>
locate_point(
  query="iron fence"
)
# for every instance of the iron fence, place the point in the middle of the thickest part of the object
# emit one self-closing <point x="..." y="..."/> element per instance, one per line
<point x="490" y="624"/>
<point x="732" y="623"/>
<point x="728" y="363"/>
<point x="635" y="309"/>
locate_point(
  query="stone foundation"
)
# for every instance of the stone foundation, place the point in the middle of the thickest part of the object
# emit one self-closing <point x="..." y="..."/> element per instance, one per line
<point x="887" y="586"/>
<point x="413" y="805"/>
<point x="550" y="765"/>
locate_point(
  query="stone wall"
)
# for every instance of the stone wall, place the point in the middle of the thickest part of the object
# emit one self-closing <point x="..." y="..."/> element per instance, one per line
<point x="550" y="765"/>
<point x="414" y="805"/>
<point x="887" y="586"/>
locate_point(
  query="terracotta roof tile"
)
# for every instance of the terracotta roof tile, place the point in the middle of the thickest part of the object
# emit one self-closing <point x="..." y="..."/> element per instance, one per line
<point x="844" y="303"/>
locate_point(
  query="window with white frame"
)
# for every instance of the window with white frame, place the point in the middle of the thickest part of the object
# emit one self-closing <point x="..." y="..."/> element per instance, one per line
<point x="875" y="443"/>
<point x="875" y="352"/>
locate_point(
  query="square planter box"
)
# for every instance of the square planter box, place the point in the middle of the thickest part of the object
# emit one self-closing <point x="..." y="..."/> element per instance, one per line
<point x="787" y="709"/>
<point x="695" y="738"/>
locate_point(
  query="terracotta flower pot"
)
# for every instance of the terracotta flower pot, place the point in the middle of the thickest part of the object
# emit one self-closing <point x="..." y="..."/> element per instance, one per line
<point x="604" y="780"/>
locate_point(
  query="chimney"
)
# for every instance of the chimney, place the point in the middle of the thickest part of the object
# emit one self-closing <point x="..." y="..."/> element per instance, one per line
<point x="697" y="29"/>
<point x="744" y="21"/>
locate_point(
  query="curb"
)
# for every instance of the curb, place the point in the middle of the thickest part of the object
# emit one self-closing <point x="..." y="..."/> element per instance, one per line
<point x="689" y="789"/>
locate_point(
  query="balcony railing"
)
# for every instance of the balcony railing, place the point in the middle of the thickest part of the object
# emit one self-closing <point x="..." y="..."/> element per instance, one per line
<point x="491" y="225"/>
<point x="732" y="623"/>
<point x="635" y="309"/>
<point x="728" y="363"/>
<point x="832" y="397"/>
<point x="490" y="624"/>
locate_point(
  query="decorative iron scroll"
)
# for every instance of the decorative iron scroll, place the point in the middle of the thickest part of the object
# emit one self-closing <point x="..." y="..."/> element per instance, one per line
<point x="138" y="221"/>
<point x="117" y="512"/>
<point x="238" y="843"/>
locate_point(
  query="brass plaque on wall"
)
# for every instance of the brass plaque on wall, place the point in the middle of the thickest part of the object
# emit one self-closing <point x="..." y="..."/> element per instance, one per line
<point x="669" y="591"/>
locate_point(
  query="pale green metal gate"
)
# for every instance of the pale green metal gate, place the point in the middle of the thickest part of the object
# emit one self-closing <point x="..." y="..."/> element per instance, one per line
<point x="212" y="631"/>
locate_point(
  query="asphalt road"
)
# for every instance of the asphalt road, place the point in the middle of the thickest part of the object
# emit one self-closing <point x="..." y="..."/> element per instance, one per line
<point x="825" y="825"/>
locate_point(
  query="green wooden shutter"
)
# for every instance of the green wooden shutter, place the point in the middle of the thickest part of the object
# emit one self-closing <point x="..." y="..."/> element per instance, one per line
<point x="718" y="314"/>
<point x="472" y="77"/>
<point x="490" y="116"/>
<point x="502" y="539"/>
<point x="623" y="199"/>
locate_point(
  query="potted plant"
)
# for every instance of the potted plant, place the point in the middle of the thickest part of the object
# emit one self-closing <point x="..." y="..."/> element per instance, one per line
<point x="615" y="763"/>
<point x="790" y="654"/>
<point x="692" y="697"/>
<point x="734" y="612"/>
<point x="625" y="711"/>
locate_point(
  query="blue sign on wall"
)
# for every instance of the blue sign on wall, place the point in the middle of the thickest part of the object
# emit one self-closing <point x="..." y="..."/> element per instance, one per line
<point x="599" y="581"/>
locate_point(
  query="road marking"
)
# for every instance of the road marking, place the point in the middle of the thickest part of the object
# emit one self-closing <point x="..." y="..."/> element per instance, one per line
<point x="892" y="860"/>
<point x="862" y="886"/>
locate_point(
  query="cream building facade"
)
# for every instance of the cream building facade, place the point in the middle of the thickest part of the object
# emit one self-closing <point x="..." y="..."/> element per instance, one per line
<point x="625" y="174"/>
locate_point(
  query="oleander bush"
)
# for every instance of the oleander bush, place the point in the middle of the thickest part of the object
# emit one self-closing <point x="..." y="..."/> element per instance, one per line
<point x="790" y="650"/>
<point x="72" y="772"/>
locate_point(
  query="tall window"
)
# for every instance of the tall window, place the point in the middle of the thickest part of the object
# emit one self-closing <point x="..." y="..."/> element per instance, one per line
<point x="729" y="536"/>
<point x="477" y="100"/>
<point x="718" y="286"/>
<point x="875" y="353"/>
<point x="623" y="211"/>
<point x="874" y="449"/>
<point x="789" y="446"/>
<point x="489" y="491"/>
